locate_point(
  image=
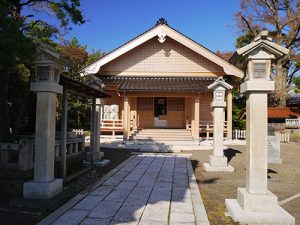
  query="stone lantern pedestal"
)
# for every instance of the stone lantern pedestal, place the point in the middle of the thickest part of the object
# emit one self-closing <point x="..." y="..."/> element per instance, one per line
<point x="217" y="161"/>
<point x="255" y="204"/>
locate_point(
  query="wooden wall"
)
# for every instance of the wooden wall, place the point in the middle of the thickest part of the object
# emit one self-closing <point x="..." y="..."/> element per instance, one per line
<point x="153" y="58"/>
<point x="176" y="119"/>
<point x="205" y="108"/>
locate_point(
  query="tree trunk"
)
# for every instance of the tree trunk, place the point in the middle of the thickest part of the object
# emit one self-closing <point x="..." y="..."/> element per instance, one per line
<point x="5" y="134"/>
<point x="280" y="83"/>
<point x="21" y="107"/>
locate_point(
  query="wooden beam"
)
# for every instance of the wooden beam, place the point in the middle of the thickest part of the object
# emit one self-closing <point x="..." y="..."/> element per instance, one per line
<point x="197" y="118"/>
<point x="162" y="94"/>
<point x="64" y="120"/>
<point x="229" y="114"/>
<point x="125" y="118"/>
<point x="92" y="131"/>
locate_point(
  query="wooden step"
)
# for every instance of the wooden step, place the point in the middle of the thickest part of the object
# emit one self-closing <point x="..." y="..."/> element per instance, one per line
<point x="156" y="135"/>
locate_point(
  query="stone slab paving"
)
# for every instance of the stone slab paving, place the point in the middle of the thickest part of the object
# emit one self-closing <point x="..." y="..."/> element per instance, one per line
<point x="148" y="189"/>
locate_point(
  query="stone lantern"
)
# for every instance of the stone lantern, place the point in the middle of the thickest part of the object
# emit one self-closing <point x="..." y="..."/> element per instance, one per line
<point x="48" y="65"/>
<point x="217" y="161"/>
<point x="255" y="204"/>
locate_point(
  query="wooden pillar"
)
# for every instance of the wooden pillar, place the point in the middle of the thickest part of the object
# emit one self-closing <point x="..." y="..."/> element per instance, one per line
<point x="92" y="131"/>
<point x="195" y="121"/>
<point x="229" y="115"/>
<point x="125" y="118"/>
<point x="97" y="116"/>
<point x="129" y="116"/>
<point x="63" y="147"/>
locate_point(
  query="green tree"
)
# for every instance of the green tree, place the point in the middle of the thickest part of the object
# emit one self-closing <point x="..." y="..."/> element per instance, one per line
<point x="282" y="19"/>
<point x="17" y="34"/>
<point x="94" y="56"/>
<point x="78" y="106"/>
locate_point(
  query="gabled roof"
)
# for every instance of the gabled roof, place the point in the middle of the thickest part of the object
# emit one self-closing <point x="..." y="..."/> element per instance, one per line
<point x="162" y="30"/>
<point x="47" y="53"/>
<point x="262" y="41"/>
<point x="220" y="82"/>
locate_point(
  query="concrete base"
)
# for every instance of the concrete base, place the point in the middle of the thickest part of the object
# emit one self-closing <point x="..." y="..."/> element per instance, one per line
<point x="257" y="202"/>
<point x="274" y="160"/>
<point x="279" y="217"/>
<point x="98" y="156"/>
<point x="217" y="163"/>
<point x="210" y="168"/>
<point x="100" y="163"/>
<point x="46" y="190"/>
<point x="206" y="143"/>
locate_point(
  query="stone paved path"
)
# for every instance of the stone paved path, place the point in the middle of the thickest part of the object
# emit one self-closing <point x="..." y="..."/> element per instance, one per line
<point x="147" y="189"/>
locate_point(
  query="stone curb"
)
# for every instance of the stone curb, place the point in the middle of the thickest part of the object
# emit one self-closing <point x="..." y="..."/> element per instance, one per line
<point x="199" y="209"/>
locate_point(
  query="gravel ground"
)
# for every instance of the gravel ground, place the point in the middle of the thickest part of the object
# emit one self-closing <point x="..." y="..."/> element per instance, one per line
<point x="283" y="180"/>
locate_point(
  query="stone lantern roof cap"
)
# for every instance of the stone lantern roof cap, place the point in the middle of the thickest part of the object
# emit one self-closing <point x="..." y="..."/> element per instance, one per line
<point x="261" y="42"/>
<point x="46" y="53"/>
<point x="220" y="82"/>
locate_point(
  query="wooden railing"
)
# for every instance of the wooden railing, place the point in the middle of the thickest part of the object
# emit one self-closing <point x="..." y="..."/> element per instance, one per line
<point x="292" y="123"/>
<point x="112" y="126"/>
<point x="206" y="127"/>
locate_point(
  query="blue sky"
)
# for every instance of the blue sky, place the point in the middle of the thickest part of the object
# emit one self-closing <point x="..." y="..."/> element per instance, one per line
<point x="110" y="23"/>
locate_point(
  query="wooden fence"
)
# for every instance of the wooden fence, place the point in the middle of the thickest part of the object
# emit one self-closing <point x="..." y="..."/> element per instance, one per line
<point x="292" y="122"/>
<point x="285" y="138"/>
<point x="239" y="134"/>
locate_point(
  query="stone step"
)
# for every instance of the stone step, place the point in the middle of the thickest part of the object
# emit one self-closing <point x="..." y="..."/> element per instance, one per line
<point x="169" y="132"/>
<point x="164" y="131"/>
<point x="163" y="138"/>
<point x="163" y="135"/>
<point x="140" y="143"/>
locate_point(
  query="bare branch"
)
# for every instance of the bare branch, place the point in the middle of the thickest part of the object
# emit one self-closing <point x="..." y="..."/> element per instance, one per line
<point x="248" y="25"/>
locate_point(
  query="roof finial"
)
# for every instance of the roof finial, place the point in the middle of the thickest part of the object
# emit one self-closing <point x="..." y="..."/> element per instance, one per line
<point x="263" y="35"/>
<point x="161" y="21"/>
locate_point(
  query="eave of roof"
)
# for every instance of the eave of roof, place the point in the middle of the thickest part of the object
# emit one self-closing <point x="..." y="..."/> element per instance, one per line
<point x="81" y="89"/>
<point x="166" y="84"/>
